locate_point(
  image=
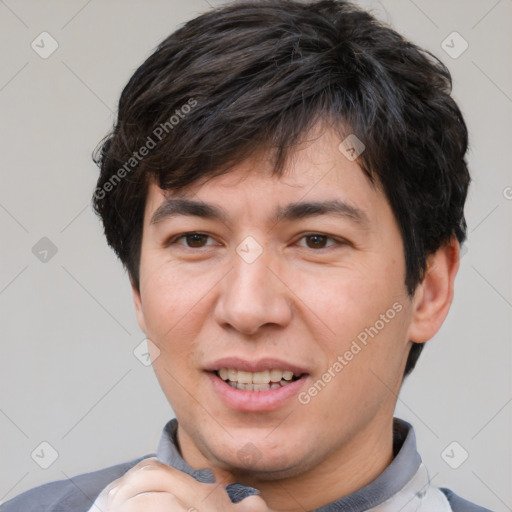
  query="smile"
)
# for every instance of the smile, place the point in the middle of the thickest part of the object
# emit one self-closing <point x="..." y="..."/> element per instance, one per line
<point x="257" y="381"/>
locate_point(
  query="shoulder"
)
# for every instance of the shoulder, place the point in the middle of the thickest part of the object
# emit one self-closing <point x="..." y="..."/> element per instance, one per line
<point x="75" y="494"/>
<point x="459" y="504"/>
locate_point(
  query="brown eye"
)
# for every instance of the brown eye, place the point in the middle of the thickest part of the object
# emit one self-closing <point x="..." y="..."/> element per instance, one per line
<point x="192" y="240"/>
<point x="196" y="239"/>
<point x="317" y="241"/>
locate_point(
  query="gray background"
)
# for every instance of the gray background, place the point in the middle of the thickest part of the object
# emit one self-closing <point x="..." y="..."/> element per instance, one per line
<point x="68" y="375"/>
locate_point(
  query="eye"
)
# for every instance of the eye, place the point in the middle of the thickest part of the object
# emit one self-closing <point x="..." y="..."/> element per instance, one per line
<point x="193" y="240"/>
<point x="318" y="241"/>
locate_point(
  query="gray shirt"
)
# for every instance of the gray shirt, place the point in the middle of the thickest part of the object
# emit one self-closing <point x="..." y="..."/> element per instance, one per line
<point x="404" y="485"/>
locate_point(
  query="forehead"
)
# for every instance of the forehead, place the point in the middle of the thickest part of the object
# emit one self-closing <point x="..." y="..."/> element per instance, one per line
<point x="317" y="170"/>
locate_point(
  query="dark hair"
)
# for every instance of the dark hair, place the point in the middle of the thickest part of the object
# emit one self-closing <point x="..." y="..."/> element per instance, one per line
<point x="258" y="75"/>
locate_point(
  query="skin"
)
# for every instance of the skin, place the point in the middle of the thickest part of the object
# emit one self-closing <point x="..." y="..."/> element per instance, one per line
<point x="303" y="300"/>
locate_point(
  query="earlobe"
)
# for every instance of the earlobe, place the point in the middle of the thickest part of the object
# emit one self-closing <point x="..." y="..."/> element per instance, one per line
<point x="434" y="295"/>
<point x="139" y="311"/>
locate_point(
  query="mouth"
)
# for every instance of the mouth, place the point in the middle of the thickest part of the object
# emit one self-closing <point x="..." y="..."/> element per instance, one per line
<point x="267" y="384"/>
<point x="265" y="380"/>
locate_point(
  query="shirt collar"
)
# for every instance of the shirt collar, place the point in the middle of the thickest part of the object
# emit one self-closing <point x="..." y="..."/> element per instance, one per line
<point x="402" y="470"/>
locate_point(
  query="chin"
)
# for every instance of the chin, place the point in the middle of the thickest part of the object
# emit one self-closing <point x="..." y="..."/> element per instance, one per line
<point x="268" y="470"/>
<point x="264" y="463"/>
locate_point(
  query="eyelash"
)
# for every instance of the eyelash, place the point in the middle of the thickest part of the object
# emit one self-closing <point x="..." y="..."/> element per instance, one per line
<point x="338" y="242"/>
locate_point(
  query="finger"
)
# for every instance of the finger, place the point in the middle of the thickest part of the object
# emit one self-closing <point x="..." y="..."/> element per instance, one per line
<point x="151" y="475"/>
<point x="107" y="494"/>
<point x="150" y="461"/>
<point x="154" y="502"/>
<point x="101" y="502"/>
<point x="252" y="504"/>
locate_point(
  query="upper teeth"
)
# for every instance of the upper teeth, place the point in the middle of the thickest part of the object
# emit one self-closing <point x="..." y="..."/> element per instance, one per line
<point x="264" y="377"/>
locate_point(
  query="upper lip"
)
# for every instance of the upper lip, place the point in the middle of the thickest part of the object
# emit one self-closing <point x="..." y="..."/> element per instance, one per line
<point x="258" y="365"/>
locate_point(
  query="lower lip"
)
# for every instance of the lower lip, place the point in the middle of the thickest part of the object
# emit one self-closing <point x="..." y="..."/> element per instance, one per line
<point x="255" y="401"/>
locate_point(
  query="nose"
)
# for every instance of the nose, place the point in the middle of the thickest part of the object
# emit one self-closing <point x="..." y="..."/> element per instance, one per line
<point x="253" y="295"/>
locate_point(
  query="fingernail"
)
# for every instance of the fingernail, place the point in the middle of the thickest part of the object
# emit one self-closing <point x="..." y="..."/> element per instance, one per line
<point x="110" y="494"/>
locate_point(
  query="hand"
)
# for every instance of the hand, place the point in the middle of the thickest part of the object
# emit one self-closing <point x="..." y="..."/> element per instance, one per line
<point x="151" y="486"/>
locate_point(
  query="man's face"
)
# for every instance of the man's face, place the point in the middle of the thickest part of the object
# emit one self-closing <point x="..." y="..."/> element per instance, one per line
<point x="272" y="288"/>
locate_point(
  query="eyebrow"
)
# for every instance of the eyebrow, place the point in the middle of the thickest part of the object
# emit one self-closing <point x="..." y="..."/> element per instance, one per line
<point x="172" y="207"/>
<point x="336" y="207"/>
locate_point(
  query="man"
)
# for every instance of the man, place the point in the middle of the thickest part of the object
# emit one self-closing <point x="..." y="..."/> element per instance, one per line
<point x="285" y="185"/>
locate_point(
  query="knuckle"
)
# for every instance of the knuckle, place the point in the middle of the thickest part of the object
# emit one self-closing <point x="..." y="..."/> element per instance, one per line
<point x="151" y="462"/>
<point x="145" y="465"/>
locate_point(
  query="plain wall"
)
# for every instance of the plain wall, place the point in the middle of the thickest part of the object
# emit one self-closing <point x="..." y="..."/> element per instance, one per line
<point x="68" y="375"/>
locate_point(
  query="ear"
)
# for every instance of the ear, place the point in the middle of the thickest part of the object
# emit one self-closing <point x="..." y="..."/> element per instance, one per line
<point x="434" y="295"/>
<point x="139" y="311"/>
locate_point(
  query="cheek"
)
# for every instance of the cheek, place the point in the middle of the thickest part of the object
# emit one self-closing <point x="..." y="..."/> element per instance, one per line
<point x="366" y="310"/>
<point x="172" y="312"/>
<point x="172" y="304"/>
<point x="347" y="301"/>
